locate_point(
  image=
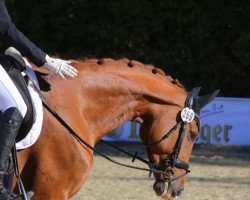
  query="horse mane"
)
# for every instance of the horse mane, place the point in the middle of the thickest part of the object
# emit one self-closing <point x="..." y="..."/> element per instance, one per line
<point x="132" y="63"/>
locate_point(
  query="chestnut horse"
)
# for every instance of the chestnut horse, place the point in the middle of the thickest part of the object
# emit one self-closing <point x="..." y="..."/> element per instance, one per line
<point x="106" y="94"/>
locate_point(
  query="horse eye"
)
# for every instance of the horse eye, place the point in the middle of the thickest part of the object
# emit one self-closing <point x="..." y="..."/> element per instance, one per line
<point x="193" y="136"/>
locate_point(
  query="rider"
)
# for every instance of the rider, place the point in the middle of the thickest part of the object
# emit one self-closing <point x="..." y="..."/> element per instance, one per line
<point x="12" y="106"/>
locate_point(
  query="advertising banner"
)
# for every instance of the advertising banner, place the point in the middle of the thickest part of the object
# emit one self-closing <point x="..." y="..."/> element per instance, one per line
<point x="223" y="121"/>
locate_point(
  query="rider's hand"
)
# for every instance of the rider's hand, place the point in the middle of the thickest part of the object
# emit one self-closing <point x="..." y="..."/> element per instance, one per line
<point x="60" y="67"/>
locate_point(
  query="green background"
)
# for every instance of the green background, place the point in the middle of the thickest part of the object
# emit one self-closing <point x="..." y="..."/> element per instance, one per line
<point x="202" y="43"/>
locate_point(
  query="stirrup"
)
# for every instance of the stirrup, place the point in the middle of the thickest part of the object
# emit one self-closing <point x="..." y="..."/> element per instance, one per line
<point x="29" y="194"/>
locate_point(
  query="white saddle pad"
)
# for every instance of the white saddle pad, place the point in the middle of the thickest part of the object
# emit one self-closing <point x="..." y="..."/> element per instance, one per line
<point x="35" y="131"/>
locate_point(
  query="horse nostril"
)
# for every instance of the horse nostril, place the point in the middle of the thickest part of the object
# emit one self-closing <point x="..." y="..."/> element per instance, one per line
<point x="176" y="192"/>
<point x="179" y="192"/>
<point x="159" y="188"/>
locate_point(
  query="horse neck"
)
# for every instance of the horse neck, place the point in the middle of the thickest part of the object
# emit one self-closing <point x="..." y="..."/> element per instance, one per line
<point x="104" y="97"/>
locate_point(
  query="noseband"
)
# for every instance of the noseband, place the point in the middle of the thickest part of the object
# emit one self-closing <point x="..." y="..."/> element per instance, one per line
<point x="187" y="116"/>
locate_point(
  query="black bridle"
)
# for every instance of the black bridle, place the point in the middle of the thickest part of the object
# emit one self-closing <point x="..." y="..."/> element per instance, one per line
<point x="187" y="115"/>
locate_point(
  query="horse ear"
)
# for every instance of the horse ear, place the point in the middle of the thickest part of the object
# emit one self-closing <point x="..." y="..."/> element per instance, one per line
<point x="195" y="91"/>
<point x="201" y="101"/>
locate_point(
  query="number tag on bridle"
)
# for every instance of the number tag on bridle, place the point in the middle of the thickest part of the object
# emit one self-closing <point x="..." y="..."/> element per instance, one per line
<point x="187" y="115"/>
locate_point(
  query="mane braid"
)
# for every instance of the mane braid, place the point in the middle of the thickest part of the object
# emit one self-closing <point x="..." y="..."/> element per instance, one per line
<point x="132" y="63"/>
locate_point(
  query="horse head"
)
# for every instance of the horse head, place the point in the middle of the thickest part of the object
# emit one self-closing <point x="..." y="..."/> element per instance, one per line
<point x="169" y="134"/>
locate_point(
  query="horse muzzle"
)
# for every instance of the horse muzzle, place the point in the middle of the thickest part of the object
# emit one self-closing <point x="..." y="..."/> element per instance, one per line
<point x="168" y="191"/>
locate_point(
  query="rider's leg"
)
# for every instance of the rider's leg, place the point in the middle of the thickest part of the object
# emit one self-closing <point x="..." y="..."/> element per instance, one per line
<point x="9" y="95"/>
<point x="10" y="122"/>
<point x="13" y="109"/>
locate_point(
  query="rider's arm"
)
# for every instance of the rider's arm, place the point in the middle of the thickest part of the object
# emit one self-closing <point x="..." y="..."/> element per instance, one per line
<point x="15" y="38"/>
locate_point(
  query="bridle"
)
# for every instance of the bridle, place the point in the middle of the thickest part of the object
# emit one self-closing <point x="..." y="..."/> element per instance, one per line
<point x="187" y="116"/>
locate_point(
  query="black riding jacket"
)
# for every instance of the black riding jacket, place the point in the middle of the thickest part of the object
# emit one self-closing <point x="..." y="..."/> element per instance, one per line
<point x="15" y="38"/>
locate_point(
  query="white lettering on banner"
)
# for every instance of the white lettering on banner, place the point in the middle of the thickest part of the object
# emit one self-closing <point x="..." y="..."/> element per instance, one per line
<point x="224" y="121"/>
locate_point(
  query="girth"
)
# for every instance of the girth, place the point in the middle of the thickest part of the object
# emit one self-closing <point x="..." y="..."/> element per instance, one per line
<point x="14" y="69"/>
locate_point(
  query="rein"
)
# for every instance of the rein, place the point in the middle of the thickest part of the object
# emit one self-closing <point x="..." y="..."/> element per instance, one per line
<point x="153" y="167"/>
<point x="83" y="142"/>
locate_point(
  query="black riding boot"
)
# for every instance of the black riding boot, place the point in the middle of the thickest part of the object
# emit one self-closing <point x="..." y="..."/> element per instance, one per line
<point x="10" y="122"/>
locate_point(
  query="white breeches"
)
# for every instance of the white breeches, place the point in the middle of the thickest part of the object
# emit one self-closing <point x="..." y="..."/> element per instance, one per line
<point x="9" y="95"/>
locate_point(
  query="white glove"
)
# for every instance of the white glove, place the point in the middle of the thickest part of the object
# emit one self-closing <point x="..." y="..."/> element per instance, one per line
<point x="60" y="67"/>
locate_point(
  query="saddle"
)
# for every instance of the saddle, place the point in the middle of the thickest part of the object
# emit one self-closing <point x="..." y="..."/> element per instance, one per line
<point x="14" y="69"/>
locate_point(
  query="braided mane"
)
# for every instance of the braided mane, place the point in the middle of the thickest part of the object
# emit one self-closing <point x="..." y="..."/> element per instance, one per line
<point x="133" y="63"/>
